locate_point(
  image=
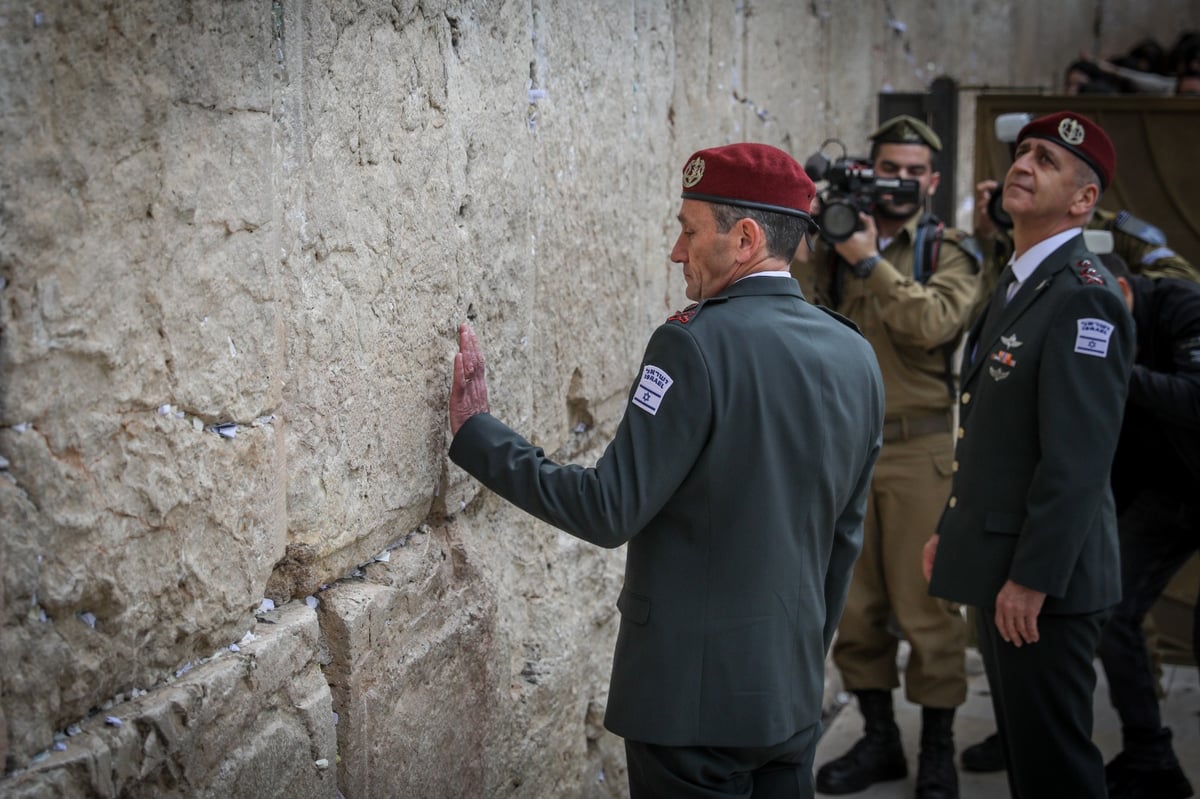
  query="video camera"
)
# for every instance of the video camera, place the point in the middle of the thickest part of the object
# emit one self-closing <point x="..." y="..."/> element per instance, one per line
<point x="851" y="187"/>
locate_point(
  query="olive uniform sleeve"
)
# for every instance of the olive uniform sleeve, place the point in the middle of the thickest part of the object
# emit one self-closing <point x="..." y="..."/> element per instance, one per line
<point x="665" y="427"/>
<point x="1151" y="259"/>
<point x="1143" y="246"/>
<point x="812" y="272"/>
<point x="932" y="313"/>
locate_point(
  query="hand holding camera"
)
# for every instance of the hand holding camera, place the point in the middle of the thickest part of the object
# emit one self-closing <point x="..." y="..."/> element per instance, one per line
<point x="852" y="190"/>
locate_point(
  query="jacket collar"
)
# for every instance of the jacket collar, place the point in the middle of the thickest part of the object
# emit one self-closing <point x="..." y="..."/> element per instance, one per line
<point x="758" y="286"/>
<point x="1050" y="269"/>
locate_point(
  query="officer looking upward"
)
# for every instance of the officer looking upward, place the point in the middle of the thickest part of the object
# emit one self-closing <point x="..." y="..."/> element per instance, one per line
<point x="1028" y="535"/>
<point x="910" y="284"/>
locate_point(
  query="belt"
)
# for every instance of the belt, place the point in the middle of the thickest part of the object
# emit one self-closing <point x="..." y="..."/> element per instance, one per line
<point x="907" y="427"/>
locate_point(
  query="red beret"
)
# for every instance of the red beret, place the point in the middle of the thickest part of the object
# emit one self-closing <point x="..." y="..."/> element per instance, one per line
<point x="749" y="175"/>
<point x="1081" y="136"/>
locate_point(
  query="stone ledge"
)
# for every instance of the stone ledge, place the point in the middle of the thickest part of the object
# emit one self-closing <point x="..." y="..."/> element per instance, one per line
<point x="258" y="722"/>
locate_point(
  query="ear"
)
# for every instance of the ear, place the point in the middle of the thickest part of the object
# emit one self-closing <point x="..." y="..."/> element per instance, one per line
<point x="751" y="237"/>
<point x="1126" y="292"/>
<point x="934" y="179"/>
<point x="1085" y="199"/>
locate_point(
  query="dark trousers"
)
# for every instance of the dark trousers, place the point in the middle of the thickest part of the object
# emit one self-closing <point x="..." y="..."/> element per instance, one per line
<point x="783" y="771"/>
<point x="1042" y="698"/>
<point x="1158" y="535"/>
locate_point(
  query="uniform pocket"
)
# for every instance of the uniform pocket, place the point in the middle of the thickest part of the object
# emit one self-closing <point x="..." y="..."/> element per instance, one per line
<point x="633" y="607"/>
<point x="943" y="461"/>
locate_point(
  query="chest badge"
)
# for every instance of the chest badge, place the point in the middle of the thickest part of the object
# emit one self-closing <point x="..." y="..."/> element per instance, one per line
<point x="1004" y="357"/>
<point x="997" y="373"/>
<point x="1012" y="342"/>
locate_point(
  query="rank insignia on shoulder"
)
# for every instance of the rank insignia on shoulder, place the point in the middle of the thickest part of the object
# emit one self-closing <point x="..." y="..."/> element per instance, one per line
<point x="1088" y="273"/>
<point x="684" y="316"/>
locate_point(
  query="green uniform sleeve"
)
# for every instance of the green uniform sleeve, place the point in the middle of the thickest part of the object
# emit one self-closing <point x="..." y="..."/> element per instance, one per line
<point x="666" y="424"/>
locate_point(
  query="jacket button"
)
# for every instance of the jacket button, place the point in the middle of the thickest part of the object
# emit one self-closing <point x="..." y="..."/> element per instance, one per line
<point x="953" y="501"/>
<point x="961" y="432"/>
<point x="954" y="466"/>
<point x="966" y="397"/>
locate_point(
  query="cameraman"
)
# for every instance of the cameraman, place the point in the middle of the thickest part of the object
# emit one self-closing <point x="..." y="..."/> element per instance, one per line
<point x="910" y="284"/>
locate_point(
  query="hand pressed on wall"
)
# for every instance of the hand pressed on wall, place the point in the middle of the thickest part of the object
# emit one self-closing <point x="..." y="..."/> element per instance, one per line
<point x="468" y="393"/>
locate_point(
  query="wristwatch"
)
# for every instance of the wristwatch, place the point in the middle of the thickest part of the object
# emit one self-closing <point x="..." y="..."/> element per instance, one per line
<point x="864" y="267"/>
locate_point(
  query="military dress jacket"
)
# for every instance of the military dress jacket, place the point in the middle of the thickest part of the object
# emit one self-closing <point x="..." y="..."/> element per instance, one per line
<point x="908" y="322"/>
<point x="738" y="476"/>
<point x="1040" y="415"/>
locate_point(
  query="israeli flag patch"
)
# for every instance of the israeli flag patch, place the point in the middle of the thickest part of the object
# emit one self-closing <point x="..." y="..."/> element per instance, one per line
<point x="651" y="389"/>
<point x="1091" y="337"/>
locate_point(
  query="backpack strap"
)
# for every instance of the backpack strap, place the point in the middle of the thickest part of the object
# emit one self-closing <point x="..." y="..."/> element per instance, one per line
<point x="926" y="246"/>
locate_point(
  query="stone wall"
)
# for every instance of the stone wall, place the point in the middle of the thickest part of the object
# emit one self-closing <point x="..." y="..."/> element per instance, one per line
<point x="235" y="242"/>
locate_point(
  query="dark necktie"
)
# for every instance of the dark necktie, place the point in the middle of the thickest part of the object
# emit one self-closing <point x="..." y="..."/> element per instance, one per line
<point x="991" y="321"/>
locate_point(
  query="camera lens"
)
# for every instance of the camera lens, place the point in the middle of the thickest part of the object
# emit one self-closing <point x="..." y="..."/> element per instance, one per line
<point x="996" y="210"/>
<point x="838" y="221"/>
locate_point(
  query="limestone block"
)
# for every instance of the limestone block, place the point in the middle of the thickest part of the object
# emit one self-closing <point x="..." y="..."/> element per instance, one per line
<point x="138" y="312"/>
<point x="415" y="697"/>
<point x="105" y="593"/>
<point x="460" y="667"/>
<point x="245" y="725"/>
<point x="401" y="226"/>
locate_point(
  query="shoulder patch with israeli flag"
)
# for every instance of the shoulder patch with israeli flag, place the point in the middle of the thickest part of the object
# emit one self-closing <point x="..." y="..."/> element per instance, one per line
<point x="651" y="389"/>
<point x="1091" y="337"/>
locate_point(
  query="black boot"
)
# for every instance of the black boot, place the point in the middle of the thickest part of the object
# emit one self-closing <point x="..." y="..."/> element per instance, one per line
<point x="876" y="757"/>
<point x="1147" y="767"/>
<point x="936" y="776"/>
<point x="987" y="755"/>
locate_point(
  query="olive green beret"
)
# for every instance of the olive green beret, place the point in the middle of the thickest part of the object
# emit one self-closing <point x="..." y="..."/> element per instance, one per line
<point x="906" y="130"/>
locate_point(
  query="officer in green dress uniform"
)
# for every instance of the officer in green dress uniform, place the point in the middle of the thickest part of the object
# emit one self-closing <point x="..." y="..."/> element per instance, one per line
<point x="1145" y="251"/>
<point x="910" y="283"/>
<point x="737" y="477"/>
<point x="1029" y="534"/>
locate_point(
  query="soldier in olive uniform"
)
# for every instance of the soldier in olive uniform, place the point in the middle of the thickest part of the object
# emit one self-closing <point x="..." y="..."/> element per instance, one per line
<point x="910" y="284"/>
<point x="738" y="476"/>
<point x="1028" y="535"/>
